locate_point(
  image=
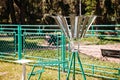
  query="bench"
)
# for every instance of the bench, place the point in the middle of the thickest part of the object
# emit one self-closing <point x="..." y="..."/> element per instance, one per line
<point x="110" y="53"/>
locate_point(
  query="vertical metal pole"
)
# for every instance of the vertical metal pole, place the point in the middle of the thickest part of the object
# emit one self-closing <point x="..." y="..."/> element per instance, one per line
<point x="69" y="51"/>
<point x="23" y="41"/>
<point x="39" y="76"/>
<point x="69" y="69"/>
<point x="83" y="74"/>
<point x="19" y="43"/>
<point x="23" y="71"/>
<point x="92" y="31"/>
<point x="63" y="51"/>
<point x="31" y="72"/>
<point x="74" y="66"/>
<point x="57" y="37"/>
<point x="15" y="41"/>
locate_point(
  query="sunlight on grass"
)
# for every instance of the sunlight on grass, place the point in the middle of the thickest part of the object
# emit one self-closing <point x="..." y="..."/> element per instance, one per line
<point x="99" y="41"/>
<point x="13" y="72"/>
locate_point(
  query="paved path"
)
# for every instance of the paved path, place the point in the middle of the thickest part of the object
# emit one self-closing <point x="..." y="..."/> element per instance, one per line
<point x="95" y="51"/>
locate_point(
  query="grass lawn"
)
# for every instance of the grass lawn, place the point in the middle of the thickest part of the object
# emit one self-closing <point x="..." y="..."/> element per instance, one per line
<point x="100" y="41"/>
<point x="12" y="71"/>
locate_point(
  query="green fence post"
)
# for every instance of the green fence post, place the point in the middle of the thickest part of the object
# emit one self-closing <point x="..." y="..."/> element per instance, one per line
<point x="74" y="65"/>
<point x="92" y="31"/>
<point x="19" y="43"/>
<point x="81" y="67"/>
<point x="15" y="42"/>
<point x="63" y="51"/>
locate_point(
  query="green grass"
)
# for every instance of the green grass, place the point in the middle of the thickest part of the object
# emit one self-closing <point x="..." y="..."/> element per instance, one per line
<point x="38" y="40"/>
<point x="96" y="61"/>
<point x="100" y="41"/>
<point x="45" y="53"/>
<point x="13" y="71"/>
<point x="100" y="65"/>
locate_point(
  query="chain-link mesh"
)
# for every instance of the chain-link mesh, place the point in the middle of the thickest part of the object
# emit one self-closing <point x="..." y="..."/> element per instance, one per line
<point x="31" y="42"/>
<point x="45" y="46"/>
<point x="7" y="44"/>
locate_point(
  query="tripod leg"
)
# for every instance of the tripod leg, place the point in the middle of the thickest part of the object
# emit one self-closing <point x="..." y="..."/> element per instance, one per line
<point x="70" y="66"/>
<point x="83" y="74"/>
<point x="74" y="66"/>
<point x="39" y="76"/>
<point x="31" y="72"/>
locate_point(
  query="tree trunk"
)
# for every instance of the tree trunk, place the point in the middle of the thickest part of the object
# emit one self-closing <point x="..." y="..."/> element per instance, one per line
<point x="11" y="11"/>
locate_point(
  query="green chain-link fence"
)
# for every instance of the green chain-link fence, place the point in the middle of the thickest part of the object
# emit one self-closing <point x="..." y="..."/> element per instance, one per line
<point x="32" y="41"/>
<point x="8" y="44"/>
<point x="38" y="42"/>
<point x="42" y="45"/>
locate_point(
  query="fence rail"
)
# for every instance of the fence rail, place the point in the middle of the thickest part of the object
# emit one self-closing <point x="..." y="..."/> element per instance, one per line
<point x="104" y="31"/>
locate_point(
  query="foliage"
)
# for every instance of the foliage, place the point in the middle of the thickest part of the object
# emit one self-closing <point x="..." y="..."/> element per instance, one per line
<point x="37" y="11"/>
<point x="108" y="11"/>
<point x="90" y="7"/>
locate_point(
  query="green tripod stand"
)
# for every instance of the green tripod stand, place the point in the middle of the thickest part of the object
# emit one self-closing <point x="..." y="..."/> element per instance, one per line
<point x="72" y="61"/>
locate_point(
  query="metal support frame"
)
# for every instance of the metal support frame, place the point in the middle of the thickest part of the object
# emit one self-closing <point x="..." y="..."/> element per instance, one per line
<point x="43" y="64"/>
<point x="32" y="73"/>
<point x="73" y="61"/>
<point x="63" y="51"/>
<point x="23" y="62"/>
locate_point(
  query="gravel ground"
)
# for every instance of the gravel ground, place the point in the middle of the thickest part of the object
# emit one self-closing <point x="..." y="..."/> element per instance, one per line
<point x="95" y="51"/>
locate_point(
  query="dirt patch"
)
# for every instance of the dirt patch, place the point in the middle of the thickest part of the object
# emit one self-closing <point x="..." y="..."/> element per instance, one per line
<point x="95" y="51"/>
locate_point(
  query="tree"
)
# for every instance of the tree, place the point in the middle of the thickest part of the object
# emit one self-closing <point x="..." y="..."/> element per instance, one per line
<point x="36" y="11"/>
<point x="117" y="10"/>
<point x="108" y="11"/>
